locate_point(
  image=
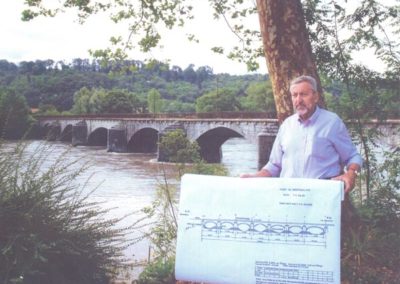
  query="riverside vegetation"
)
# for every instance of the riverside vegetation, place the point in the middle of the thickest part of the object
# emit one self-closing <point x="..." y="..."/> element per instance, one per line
<point x="53" y="233"/>
<point x="371" y="248"/>
<point x="50" y="231"/>
<point x="370" y="251"/>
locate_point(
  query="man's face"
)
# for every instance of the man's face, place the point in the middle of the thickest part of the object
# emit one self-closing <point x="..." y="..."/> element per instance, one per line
<point x="304" y="99"/>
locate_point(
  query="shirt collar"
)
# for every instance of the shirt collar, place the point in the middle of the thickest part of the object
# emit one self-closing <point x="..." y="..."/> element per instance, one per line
<point x="312" y="118"/>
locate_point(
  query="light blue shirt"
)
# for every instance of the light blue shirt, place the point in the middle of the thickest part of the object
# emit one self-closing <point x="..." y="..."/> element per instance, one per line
<point x="316" y="148"/>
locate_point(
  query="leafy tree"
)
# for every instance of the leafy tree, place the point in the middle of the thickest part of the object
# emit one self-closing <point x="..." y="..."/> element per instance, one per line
<point x="97" y="100"/>
<point x="217" y="101"/>
<point x="154" y="102"/>
<point x="103" y="101"/>
<point x="259" y="98"/>
<point x="189" y="74"/>
<point x="7" y="67"/>
<point x="81" y="101"/>
<point x="202" y="74"/>
<point x="181" y="91"/>
<point x="15" y="117"/>
<point x="117" y="101"/>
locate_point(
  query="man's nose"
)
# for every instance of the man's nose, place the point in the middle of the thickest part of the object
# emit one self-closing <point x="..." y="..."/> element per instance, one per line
<point x="298" y="100"/>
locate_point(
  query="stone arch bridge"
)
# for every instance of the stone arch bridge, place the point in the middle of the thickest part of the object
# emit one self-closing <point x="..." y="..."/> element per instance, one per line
<point x="141" y="134"/>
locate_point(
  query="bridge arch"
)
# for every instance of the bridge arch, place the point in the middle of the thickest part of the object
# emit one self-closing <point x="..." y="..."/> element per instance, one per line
<point x="66" y="133"/>
<point x="51" y="131"/>
<point x="98" y="137"/>
<point x="143" y="141"/>
<point x="210" y="142"/>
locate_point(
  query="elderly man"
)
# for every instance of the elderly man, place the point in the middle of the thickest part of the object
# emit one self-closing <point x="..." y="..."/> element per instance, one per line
<point x="313" y="142"/>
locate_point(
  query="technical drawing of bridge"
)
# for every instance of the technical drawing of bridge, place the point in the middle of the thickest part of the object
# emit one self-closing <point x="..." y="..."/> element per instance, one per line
<point x="262" y="231"/>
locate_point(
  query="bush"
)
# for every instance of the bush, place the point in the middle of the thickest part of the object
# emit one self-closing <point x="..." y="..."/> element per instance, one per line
<point x="158" y="272"/>
<point x="50" y="233"/>
<point x="176" y="148"/>
<point x="371" y="251"/>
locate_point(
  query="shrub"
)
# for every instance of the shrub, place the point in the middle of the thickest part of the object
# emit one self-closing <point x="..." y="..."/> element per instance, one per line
<point x="158" y="272"/>
<point x="50" y="233"/>
<point x="176" y="148"/>
<point x="371" y="252"/>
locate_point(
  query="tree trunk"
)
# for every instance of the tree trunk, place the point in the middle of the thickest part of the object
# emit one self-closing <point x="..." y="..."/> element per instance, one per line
<point x="287" y="49"/>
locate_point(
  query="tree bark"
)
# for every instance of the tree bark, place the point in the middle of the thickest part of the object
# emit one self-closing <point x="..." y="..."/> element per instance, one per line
<point x="287" y="49"/>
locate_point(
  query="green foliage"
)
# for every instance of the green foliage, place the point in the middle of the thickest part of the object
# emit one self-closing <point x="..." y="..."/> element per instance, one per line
<point x="47" y="109"/>
<point x="103" y="101"/>
<point x="174" y="106"/>
<point x="159" y="226"/>
<point x="204" y="168"/>
<point x="50" y="232"/>
<point x="117" y="101"/>
<point x="83" y="85"/>
<point x="81" y="101"/>
<point x="176" y="148"/>
<point x="357" y="93"/>
<point x="259" y="98"/>
<point x="337" y="29"/>
<point x="217" y="101"/>
<point x="362" y="102"/>
<point x="158" y="272"/>
<point x="15" y="118"/>
<point x="154" y="102"/>
<point x="379" y="232"/>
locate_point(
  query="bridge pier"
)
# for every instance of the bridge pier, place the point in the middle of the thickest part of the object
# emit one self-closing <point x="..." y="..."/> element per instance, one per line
<point x="79" y="134"/>
<point x="211" y="154"/>
<point x="117" y="141"/>
<point x="265" y="143"/>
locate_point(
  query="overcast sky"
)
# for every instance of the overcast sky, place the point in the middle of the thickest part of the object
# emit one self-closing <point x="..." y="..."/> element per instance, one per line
<point x="62" y="38"/>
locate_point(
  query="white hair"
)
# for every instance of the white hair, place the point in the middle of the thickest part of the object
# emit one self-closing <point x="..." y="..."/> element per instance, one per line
<point x="307" y="79"/>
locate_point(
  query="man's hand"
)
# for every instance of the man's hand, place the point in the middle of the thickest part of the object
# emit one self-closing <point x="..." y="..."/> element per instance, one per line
<point x="261" y="173"/>
<point x="349" y="179"/>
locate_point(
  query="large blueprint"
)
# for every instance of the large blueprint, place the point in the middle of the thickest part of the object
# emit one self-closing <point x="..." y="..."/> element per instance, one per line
<point x="258" y="230"/>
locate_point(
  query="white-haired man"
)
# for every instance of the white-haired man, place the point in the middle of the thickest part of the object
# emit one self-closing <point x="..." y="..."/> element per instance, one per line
<point x="313" y="142"/>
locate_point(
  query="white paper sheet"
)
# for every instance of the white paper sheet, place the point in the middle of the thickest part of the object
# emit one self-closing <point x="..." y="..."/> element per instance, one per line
<point x="258" y="230"/>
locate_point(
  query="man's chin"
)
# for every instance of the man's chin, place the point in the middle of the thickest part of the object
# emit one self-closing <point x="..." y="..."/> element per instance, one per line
<point x="301" y="111"/>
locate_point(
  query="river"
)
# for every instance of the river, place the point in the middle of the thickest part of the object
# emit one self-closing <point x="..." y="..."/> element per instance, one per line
<point x="127" y="182"/>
